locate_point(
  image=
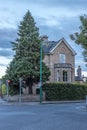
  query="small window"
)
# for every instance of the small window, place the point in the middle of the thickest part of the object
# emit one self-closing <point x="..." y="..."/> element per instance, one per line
<point x="62" y="58"/>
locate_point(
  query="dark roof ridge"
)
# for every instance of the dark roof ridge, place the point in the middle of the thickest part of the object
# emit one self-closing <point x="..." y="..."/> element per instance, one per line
<point x="50" y="46"/>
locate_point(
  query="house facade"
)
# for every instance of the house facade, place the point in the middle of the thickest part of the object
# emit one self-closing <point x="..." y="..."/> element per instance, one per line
<point x="60" y="58"/>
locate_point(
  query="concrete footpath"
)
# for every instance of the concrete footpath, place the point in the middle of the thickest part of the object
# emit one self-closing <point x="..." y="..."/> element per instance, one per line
<point x="4" y="102"/>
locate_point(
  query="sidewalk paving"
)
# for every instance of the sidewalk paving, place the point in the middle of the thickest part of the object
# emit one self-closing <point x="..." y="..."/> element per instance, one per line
<point x="4" y="102"/>
<point x="31" y="99"/>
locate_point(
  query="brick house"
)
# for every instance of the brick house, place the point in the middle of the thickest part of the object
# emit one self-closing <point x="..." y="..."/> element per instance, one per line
<point x="60" y="58"/>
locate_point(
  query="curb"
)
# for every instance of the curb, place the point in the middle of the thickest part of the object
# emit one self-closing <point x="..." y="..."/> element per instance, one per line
<point x="38" y="103"/>
<point x="63" y="102"/>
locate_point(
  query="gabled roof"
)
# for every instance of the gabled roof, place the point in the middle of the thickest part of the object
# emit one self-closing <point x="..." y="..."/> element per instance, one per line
<point x="50" y="46"/>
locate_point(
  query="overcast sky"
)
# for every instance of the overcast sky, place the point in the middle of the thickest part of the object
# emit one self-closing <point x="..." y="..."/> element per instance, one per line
<point x="55" y="18"/>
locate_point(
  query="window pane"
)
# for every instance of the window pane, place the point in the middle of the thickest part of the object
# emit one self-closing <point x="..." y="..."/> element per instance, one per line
<point x="62" y="58"/>
<point x="64" y="75"/>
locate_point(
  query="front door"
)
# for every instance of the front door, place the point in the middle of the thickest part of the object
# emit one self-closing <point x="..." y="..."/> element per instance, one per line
<point x="64" y="76"/>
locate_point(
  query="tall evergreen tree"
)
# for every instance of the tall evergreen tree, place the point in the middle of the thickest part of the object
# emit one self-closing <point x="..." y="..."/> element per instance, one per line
<point x="81" y="37"/>
<point x="26" y="62"/>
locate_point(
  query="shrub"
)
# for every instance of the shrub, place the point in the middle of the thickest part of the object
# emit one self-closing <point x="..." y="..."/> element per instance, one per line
<point x="65" y="91"/>
<point x="13" y="90"/>
<point x="0" y="88"/>
<point x="3" y="89"/>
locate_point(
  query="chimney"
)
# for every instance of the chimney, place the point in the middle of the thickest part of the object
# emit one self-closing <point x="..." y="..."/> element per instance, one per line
<point x="44" y="38"/>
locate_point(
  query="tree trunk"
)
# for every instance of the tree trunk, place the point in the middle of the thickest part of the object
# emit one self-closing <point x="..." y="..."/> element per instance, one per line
<point x="30" y="84"/>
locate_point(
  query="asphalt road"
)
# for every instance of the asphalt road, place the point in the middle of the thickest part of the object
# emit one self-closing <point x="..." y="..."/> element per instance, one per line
<point x="70" y="116"/>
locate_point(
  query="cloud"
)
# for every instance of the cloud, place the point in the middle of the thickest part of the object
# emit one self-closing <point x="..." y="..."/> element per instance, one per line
<point x="84" y="73"/>
<point x="50" y="21"/>
<point x="6" y="36"/>
<point x="2" y="70"/>
<point x="53" y="33"/>
<point x="52" y="11"/>
<point x="6" y="52"/>
<point x="7" y="24"/>
<point x="4" y="60"/>
<point x="75" y="4"/>
<point x="3" y="65"/>
<point x="58" y="11"/>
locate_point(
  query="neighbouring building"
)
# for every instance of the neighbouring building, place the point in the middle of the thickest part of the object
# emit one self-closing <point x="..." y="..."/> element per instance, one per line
<point x="60" y="58"/>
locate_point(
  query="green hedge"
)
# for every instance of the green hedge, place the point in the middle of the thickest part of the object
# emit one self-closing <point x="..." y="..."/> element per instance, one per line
<point x="3" y="89"/>
<point x="65" y="91"/>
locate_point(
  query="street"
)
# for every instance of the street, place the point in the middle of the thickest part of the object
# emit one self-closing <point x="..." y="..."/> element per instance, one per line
<point x="70" y="116"/>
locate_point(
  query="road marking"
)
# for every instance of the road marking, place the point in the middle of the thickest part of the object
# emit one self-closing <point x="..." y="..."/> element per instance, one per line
<point x="17" y="113"/>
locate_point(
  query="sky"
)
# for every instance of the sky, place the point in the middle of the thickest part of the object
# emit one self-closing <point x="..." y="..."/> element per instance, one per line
<point x="55" y="18"/>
